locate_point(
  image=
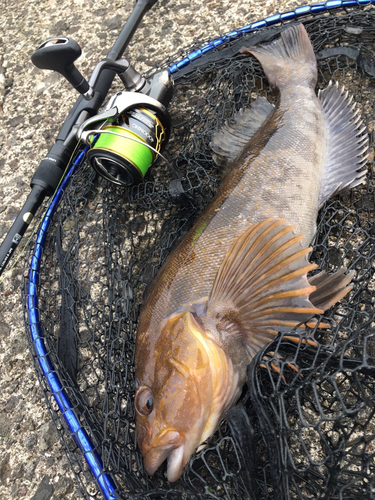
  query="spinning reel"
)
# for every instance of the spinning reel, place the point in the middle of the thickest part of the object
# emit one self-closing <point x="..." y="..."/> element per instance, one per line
<point x="131" y="132"/>
<point x="133" y="129"/>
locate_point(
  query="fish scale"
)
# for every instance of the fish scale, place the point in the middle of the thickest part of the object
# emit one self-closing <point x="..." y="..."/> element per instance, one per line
<point x="286" y="176"/>
<point x="240" y="276"/>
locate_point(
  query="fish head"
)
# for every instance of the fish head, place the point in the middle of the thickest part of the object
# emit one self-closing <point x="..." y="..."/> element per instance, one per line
<point x="177" y="402"/>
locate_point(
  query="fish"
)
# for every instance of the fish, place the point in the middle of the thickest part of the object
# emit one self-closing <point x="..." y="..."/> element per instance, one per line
<point x="240" y="276"/>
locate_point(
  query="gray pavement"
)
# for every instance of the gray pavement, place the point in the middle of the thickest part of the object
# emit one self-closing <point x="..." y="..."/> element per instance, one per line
<point x="33" y="104"/>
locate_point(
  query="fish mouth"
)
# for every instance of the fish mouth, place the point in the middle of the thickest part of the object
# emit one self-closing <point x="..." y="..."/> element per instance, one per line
<point x="169" y="446"/>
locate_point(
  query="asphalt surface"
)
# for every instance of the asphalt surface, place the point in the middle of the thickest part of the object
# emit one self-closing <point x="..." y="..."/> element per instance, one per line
<point x="33" y="105"/>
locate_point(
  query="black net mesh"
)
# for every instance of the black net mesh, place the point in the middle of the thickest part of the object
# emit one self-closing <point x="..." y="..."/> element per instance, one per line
<point x="303" y="435"/>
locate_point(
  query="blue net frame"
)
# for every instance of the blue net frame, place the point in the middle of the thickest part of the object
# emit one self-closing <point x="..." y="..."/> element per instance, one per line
<point x="45" y="366"/>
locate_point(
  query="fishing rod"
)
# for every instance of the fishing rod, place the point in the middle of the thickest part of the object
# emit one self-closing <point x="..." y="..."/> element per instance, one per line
<point x="124" y="139"/>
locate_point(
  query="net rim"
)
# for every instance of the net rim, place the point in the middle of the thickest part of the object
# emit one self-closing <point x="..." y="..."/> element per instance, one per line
<point x="274" y="20"/>
<point x="106" y="481"/>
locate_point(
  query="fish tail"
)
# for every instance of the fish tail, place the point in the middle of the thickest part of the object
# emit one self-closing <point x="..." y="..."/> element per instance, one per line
<point x="288" y="59"/>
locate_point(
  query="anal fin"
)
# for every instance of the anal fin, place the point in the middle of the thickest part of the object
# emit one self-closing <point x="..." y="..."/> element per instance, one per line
<point x="330" y="288"/>
<point x="228" y="143"/>
<point x="347" y="143"/>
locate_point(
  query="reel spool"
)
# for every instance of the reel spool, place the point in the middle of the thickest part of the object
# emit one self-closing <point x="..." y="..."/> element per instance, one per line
<point x="134" y="129"/>
<point x="124" y="151"/>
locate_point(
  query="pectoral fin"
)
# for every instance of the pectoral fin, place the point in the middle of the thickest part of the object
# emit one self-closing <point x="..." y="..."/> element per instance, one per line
<point x="330" y="288"/>
<point x="261" y="287"/>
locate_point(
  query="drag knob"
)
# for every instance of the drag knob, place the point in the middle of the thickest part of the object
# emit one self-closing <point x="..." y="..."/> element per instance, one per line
<point x="58" y="54"/>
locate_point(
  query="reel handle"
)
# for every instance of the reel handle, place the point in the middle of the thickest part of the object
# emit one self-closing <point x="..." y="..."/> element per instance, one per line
<point x="58" y="54"/>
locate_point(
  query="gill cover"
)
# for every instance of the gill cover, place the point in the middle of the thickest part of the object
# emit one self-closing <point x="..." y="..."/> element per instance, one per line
<point x="175" y="393"/>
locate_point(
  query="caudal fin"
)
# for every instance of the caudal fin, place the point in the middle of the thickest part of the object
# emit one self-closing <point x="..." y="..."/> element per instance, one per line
<point x="287" y="59"/>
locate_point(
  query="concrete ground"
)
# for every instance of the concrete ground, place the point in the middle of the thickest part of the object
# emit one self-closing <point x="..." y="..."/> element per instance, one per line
<point x="33" y="105"/>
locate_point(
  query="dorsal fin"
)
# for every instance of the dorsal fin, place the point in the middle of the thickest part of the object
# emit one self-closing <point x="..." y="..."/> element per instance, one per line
<point x="347" y="143"/>
<point x="229" y="142"/>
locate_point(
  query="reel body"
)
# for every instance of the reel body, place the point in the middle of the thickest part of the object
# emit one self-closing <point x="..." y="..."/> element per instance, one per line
<point x="130" y="133"/>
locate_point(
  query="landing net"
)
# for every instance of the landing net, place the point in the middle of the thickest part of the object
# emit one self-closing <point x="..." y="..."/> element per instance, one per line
<point x="300" y="436"/>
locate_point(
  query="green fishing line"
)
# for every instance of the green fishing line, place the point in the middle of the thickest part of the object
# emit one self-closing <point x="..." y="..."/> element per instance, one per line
<point x="134" y="152"/>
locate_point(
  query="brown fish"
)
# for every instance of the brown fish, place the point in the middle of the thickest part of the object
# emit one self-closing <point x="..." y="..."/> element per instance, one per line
<point x="240" y="275"/>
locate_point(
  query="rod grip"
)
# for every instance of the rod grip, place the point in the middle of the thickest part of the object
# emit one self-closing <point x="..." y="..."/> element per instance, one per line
<point x="20" y="225"/>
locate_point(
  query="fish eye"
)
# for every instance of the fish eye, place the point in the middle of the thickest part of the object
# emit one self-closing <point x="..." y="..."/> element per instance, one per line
<point x="144" y="401"/>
